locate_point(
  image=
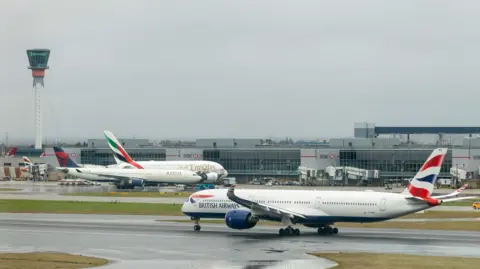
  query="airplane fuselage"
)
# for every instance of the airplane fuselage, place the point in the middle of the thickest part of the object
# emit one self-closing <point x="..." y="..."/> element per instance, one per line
<point x="150" y="175"/>
<point x="319" y="207"/>
<point x="193" y="166"/>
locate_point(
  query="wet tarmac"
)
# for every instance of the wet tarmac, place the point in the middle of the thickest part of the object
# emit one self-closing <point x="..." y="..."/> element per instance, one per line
<point x="145" y="242"/>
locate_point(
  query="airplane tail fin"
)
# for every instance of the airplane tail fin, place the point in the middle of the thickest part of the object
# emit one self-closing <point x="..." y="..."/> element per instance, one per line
<point x="118" y="151"/>
<point x="12" y="152"/>
<point x="27" y="161"/>
<point x="422" y="184"/>
<point x="63" y="158"/>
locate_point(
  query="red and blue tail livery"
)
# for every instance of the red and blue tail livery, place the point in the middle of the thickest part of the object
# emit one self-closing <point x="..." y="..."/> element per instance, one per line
<point x="422" y="184"/>
<point x="63" y="158"/>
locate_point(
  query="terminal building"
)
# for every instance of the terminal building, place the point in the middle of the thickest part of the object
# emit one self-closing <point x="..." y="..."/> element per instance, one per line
<point x="374" y="154"/>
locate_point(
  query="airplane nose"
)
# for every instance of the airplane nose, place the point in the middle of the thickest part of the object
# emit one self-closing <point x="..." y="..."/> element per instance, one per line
<point x="184" y="206"/>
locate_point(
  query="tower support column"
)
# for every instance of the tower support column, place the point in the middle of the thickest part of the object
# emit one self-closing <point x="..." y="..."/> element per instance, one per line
<point x="38" y="117"/>
<point x="38" y="59"/>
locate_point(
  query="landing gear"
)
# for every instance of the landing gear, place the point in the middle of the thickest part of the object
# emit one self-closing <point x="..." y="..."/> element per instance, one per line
<point x="196" y="226"/>
<point x="327" y="230"/>
<point x="289" y="231"/>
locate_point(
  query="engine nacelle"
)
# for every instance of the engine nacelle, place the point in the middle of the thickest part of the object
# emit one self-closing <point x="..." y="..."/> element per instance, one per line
<point x="240" y="219"/>
<point x="212" y="177"/>
<point x="137" y="182"/>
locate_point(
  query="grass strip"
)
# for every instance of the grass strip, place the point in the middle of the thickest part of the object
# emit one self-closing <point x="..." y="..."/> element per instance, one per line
<point x="79" y="207"/>
<point x="9" y="189"/>
<point x="48" y="260"/>
<point x="397" y="261"/>
<point x="461" y="203"/>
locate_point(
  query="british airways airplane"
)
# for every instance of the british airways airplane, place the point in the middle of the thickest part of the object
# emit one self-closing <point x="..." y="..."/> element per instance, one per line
<point x="242" y="209"/>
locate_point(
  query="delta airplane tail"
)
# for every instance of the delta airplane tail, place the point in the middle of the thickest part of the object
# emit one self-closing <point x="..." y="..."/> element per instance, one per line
<point x="63" y="158"/>
<point x="119" y="152"/>
<point x="12" y="152"/>
<point x="422" y="184"/>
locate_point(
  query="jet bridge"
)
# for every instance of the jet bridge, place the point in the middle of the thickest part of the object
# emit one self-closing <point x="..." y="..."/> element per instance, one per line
<point x="333" y="175"/>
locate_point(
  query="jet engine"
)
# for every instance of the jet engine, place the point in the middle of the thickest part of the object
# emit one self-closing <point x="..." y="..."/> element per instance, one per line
<point x="212" y="177"/>
<point x="137" y="182"/>
<point x="240" y="219"/>
<point x="208" y="177"/>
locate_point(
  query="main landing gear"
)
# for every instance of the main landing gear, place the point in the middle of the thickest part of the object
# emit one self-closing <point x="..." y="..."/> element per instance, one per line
<point x="327" y="230"/>
<point x="196" y="226"/>
<point x="289" y="231"/>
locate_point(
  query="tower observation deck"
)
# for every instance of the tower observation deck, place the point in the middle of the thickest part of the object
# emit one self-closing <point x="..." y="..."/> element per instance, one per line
<point x="38" y="60"/>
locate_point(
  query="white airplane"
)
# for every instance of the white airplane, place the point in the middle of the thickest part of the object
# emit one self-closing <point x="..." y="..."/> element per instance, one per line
<point x="213" y="171"/>
<point x="68" y="166"/>
<point x="242" y="209"/>
<point x="139" y="177"/>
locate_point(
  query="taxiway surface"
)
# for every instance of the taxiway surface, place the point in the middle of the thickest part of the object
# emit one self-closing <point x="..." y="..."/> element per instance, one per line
<point x="144" y="241"/>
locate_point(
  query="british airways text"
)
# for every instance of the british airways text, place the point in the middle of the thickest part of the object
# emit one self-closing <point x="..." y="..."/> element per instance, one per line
<point x="218" y="205"/>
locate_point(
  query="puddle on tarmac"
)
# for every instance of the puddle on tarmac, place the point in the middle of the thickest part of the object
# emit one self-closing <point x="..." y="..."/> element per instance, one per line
<point x="218" y="264"/>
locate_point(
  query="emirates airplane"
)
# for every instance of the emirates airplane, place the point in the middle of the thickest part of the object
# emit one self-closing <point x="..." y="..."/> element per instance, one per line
<point x="242" y="209"/>
<point x="209" y="170"/>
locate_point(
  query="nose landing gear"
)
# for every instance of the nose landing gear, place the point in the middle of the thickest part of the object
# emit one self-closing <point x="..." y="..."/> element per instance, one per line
<point x="196" y="226"/>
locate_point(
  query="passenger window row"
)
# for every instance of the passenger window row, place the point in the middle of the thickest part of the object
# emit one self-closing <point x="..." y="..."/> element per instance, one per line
<point x="349" y="203"/>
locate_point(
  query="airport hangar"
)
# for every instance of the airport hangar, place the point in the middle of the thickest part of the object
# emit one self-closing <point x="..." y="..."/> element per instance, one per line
<point x="377" y="152"/>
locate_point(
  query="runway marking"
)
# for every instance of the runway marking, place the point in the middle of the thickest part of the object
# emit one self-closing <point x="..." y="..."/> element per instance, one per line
<point x="91" y="233"/>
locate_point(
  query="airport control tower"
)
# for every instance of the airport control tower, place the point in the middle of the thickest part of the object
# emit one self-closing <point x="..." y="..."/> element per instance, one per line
<point x="38" y="59"/>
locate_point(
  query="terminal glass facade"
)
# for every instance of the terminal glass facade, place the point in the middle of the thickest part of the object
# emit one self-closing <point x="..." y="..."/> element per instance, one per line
<point x="403" y="162"/>
<point x="256" y="162"/>
<point x="105" y="156"/>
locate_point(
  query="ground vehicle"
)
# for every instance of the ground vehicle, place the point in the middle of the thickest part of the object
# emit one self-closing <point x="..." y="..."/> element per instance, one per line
<point x="229" y="181"/>
<point x="476" y="205"/>
<point x="204" y="187"/>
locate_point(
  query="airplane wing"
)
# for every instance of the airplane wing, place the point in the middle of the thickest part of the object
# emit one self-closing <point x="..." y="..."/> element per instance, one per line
<point x="263" y="208"/>
<point x="455" y="193"/>
<point x="120" y="178"/>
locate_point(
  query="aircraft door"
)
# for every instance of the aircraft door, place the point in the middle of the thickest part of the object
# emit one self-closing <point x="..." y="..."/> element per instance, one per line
<point x="318" y="202"/>
<point x="383" y="204"/>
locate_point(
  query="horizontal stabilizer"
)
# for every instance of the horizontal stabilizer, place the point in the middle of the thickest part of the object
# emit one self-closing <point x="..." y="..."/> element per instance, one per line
<point x="455" y="193"/>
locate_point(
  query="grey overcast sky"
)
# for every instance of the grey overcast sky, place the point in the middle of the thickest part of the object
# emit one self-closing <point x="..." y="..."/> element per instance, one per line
<point x="304" y="69"/>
